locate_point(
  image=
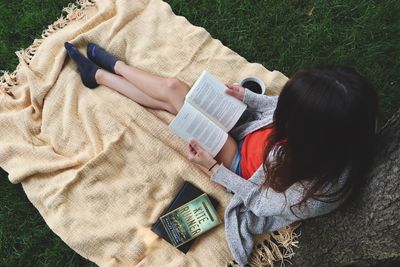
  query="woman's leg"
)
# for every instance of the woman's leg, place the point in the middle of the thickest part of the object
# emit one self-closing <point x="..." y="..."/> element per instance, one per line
<point x="173" y="91"/>
<point x="156" y="92"/>
<point x="121" y="85"/>
<point x="124" y="87"/>
<point x="169" y="90"/>
<point x="227" y="153"/>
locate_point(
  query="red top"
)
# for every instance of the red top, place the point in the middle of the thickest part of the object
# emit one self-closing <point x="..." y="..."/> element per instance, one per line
<point x="253" y="151"/>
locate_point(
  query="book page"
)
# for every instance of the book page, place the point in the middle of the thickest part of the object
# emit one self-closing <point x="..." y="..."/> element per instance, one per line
<point x="192" y="124"/>
<point x="208" y="95"/>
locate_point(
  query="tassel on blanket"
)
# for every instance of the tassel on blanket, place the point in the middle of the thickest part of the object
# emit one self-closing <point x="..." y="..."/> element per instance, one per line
<point x="75" y="11"/>
<point x="7" y="81"/>
<point x="274" y="248"/>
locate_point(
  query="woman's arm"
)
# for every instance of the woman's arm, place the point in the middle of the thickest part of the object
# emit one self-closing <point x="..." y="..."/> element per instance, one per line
<point x="254" y="101"/>
<point x="259" y="102"/>
<point x="262" y="201"/>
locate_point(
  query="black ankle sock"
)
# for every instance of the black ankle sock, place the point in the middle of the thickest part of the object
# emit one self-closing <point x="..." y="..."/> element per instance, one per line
<point x="86" y="67"/>
<point x="101" y="57"/>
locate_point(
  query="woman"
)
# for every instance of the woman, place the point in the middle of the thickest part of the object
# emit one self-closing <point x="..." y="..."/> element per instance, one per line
<point x="291" y="157"/>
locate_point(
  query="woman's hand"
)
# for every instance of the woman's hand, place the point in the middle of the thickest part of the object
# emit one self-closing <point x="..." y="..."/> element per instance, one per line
<point x="198" y="155"/>
<point x="236" y="91"/>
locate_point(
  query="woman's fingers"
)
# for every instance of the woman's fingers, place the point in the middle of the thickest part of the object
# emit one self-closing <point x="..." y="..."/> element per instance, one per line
<point x="231" y="92"/>
<point x="232" y="87"/>
<point x="198" y="155"/>
<point x="195" y="146"/>
<point x="192" y="144"/>
<point x="235" y="87"/>
<point x="195" y="152"/>
<point x="235" y="90"/>
<point x="191" y="149"/>
<point x="192" y="153"/>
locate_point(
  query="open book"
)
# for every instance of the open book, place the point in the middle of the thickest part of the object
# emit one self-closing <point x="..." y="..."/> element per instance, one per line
<point x="207" y="114"/>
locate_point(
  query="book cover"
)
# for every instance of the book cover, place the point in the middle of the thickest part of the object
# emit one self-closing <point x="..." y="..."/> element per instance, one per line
<point x="190" y="220"/>
<point x="185" y="194"/>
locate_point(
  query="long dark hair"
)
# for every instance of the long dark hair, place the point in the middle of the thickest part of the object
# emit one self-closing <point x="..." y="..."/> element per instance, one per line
<point x="324" y="121"/>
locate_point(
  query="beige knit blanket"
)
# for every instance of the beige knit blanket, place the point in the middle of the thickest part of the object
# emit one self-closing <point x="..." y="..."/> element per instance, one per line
<point x="99" y="167"/>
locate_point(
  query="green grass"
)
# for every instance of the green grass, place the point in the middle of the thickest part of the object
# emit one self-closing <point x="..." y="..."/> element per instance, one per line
<point x="281" y="35"/>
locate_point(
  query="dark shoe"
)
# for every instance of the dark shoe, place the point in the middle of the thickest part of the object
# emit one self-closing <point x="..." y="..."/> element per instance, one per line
<point x="87" y="68"/>
<point x="101" y="57"/>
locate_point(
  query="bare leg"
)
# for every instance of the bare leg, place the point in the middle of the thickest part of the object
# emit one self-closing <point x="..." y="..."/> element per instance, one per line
<point x="124" y="87"/>
<point x="227" y="153"/>
<point x="156" y="92"/>
<point x="169" y="90"/>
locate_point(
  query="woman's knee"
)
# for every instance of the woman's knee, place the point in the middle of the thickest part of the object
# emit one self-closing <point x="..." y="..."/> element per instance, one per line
<point x="176" y="85"/>
<point x="227" y="152"/>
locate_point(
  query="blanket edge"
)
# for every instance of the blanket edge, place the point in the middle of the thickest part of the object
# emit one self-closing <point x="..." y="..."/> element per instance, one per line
<point x="273" y="248"/>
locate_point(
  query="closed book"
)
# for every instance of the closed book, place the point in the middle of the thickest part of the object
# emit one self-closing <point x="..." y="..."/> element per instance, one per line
<point x="186" y="193"/>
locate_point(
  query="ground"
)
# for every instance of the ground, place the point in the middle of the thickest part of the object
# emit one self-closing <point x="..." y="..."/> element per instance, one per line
<point x="281" y="35"/>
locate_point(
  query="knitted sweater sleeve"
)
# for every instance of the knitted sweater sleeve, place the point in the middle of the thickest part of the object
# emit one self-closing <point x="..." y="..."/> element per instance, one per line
<point x="262" y="201"/>
<point x="258" y="102"/>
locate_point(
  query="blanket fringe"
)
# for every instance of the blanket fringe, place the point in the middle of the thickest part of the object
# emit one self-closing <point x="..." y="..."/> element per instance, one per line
<point x="275" y="249"/>
<point x="73" y="12"/>
<point x="7" y="81"/>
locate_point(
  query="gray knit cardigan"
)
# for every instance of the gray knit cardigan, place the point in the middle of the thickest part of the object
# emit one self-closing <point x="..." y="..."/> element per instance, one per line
<point x="253" y="208"/>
